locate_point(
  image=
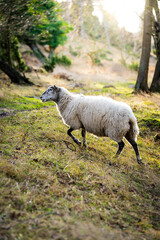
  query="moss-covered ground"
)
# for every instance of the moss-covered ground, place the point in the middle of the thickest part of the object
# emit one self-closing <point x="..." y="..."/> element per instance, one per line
<point x="54" y="189"/>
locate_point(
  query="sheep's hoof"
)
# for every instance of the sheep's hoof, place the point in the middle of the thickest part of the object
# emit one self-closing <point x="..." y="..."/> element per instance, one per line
<point x="85" y="145"/>
<point x="139" y="161"/>
<point x="78" y="142"/>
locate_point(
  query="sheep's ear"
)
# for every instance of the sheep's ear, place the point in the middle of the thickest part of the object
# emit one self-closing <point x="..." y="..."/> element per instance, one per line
<point x="56" y="88"/>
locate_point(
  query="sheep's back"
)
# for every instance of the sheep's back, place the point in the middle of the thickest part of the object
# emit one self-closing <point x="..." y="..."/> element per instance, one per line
<point x="104" y="116"/>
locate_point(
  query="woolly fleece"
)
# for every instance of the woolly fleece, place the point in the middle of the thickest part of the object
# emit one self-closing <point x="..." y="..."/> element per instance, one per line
<point x="101" y="116"/>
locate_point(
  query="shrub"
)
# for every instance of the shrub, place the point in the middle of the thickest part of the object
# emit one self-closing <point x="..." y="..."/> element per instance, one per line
<point x="154" y="51"/>
<point x="95" y="58"/>
<point x="103" y="54"/>
<point x="64" y="60"/>
<point x="74" y="52"/>
<point x="134" y="66"/>
<point x="123" y="61"/>
<point x="98" y="55"/>
<point x="51" y="63"/>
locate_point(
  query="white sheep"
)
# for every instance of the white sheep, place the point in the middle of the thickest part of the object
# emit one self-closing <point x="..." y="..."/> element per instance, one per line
<point x="101" y="116"/>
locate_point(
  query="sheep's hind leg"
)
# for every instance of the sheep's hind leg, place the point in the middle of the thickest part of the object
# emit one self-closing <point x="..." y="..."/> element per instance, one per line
<point x="120" y="147"/>
<point x="135" y="147"/>
<point x="74" y="139"/>
<point x="84" y="137"/>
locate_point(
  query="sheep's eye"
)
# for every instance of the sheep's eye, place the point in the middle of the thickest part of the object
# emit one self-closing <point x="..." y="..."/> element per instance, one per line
<point x="50" y="90"/>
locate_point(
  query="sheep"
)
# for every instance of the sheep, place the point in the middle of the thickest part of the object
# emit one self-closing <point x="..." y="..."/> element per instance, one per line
<point x="101" y="116"/>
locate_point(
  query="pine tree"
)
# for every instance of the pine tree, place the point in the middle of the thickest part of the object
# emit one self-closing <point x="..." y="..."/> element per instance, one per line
<point x="31" y="21"/>
<point x="14" y="20"/>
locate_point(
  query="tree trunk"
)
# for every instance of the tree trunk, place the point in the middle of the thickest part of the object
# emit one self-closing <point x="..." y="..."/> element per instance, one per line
<point x="105" y="25"/>
<point x="7" y="44"/>
<point x="36" y="51"/>
<point x="81" y="19"/>
<point x="155" y="6"/>
<point x="142" y="78"/>
<point x="155" y="85"/>
<point x="106" y="33"/>
<point x="68" y="12"/>
<point x="51" y="54"/>
<point x="14" y="75"/>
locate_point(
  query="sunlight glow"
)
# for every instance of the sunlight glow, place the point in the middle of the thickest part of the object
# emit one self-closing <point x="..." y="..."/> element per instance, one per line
<point x="126" y="12"/>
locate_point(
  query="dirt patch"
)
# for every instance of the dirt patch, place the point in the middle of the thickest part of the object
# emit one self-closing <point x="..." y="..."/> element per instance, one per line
<point x="4" y="112"/>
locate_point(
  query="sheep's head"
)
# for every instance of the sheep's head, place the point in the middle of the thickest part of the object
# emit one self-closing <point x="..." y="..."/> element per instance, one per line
<point x="51" y="94"/>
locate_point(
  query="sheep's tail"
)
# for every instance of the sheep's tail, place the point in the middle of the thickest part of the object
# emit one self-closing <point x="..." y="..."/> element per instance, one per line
<point x="134" y="130"/>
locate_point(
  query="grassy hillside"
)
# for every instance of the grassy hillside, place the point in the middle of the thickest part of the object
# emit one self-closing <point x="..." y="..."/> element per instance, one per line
<point x="53" y="189"/>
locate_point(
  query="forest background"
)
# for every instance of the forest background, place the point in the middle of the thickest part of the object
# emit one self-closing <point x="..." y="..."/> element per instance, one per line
<point x="50" y="188"/>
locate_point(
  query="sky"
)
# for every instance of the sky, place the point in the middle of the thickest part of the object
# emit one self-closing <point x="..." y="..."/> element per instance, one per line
<point x="126" y="12"/>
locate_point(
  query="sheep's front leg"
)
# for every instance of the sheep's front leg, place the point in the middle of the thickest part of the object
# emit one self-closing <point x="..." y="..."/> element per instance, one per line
<point x="84" y="137"/>
<point x="120" y="148"/>
<point x="74" y="139"/>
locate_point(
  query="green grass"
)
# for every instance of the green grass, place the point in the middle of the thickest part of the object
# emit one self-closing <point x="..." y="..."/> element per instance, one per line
<point x="54" y="189"/>
<point x="22" y="103"/>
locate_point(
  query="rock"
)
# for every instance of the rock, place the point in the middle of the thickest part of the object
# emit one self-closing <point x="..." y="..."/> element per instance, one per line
<point x="109" y="86"/>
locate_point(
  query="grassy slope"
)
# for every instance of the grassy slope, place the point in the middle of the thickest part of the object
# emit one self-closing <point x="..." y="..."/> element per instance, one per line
<point x="50" y="187"/>
<point x="53" y="189"/>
